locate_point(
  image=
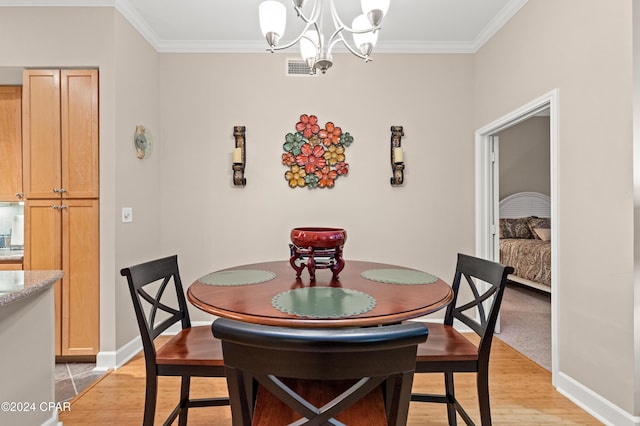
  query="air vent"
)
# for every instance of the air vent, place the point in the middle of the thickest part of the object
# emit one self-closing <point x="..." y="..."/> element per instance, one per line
<point x="299" y="68"/>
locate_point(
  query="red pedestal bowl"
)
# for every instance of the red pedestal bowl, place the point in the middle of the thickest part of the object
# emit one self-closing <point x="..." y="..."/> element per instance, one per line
<point x="318" y="238"/>
<point x="325" y="243"/>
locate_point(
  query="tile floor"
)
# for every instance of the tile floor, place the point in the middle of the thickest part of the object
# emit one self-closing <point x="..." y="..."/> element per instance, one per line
<point x="73" y="378"/>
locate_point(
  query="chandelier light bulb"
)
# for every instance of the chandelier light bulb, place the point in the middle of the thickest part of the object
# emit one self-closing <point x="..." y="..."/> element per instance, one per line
<point x="273" y="17"/>
<point x="375" y="10"/>
<point x="369" y="5"/>
<point x="364" y="41"/>
<point x="309" y="47"/>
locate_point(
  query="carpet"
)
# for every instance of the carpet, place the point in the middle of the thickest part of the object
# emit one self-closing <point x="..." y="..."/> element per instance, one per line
<point x="525" y="323"/>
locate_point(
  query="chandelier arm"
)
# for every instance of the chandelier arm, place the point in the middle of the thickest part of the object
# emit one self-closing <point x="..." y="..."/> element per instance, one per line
<point x="366" y="30"/>
<point x="349" y="48"/>
<point x="296" y="40"/>
<point x="337" y="22"/>
<point x="314" y="13"/>
<point x="337" y="37"/>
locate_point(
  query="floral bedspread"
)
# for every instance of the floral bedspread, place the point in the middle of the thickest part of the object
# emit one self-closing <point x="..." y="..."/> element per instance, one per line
<point x="530" y="258"/>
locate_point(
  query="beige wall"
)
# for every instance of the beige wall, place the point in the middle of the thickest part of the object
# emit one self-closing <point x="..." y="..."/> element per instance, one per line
<point x="524" y="157"/>
<point x="137" y="182"/>
<point x="636" y="183"/>
<point x="212" y="224"/>
<point x="568" y="45"/>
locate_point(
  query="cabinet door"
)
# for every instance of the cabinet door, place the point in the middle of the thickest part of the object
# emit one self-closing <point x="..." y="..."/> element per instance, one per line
<point x="43" y="247"/>
<point x="80" y="289"/>
<point x="10" y="142"/>
<point x="79" y="115"/>
<point x="41" y="133"/>
<point x="10" y="266"/>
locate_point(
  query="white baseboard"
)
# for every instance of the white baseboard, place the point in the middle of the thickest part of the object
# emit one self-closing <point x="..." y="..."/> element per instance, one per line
<point x="52" y="421"/>
<point x="594" y="404"/>
<point x="108" y="360"/>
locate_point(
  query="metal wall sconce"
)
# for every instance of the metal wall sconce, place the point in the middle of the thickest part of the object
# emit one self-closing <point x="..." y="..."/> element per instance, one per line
<point x="397" y="156"/>
<point x="239" y="156"/>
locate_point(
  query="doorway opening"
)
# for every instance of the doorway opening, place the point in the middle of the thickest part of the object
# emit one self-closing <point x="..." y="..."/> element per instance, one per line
<point x="487" y="193"/>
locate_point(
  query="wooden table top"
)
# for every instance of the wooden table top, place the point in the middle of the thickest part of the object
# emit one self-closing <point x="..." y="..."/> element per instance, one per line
<point x="253" y="302"/>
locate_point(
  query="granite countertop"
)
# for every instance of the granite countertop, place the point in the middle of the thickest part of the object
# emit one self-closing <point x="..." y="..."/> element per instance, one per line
<point x="17" y="285"/>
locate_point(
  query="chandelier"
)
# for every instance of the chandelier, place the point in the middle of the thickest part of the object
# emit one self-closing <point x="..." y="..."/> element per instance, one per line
<point x="315" y="48"/>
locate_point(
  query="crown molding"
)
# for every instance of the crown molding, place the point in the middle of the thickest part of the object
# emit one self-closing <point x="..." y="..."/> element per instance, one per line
<point x="136" y="20"/>
<point x="56" y="3"/>
<point x="258" y="46"/>
<point x="211" y="46"/>
<point x="497" y="22"/>
<point x="240" y="46"/>
<point x="424" y="47"/>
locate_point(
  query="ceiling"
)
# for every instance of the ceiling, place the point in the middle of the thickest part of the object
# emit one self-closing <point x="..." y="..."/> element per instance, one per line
<point x="411" y="26"/>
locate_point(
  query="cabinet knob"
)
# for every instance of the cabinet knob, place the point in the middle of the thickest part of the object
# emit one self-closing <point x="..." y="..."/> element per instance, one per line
<point x="55" y="207"/>
<point x="20" y="195"/>
<point x="56" y="190"/>
<point x="62" y="190"/>
<point x="63" y="207"/>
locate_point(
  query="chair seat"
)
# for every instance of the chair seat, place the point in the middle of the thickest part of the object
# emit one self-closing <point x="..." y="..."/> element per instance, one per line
<point x="445" y="344"/>
<point x="191" y="346"/>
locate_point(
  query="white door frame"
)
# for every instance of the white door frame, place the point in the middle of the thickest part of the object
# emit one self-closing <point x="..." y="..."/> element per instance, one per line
<point x="487" y="205"/>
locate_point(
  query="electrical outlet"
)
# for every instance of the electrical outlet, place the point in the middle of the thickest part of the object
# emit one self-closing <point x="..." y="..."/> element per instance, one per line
<point x="127" y="214"/>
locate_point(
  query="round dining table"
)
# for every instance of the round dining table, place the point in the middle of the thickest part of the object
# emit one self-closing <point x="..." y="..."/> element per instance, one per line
<point x="364" y="294"/>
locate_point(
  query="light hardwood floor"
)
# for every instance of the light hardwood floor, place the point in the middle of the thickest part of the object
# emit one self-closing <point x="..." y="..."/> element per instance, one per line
<point x="521" y="394"/>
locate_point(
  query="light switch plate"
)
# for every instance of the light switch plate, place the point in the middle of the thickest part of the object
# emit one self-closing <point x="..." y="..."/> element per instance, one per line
<point x="127" y="214"/>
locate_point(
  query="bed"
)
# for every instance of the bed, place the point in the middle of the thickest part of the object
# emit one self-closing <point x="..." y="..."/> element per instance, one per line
<point x="525" y="240"/>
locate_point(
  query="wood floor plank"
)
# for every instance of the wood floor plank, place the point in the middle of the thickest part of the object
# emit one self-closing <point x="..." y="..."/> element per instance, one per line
<point x="521" y="394"/>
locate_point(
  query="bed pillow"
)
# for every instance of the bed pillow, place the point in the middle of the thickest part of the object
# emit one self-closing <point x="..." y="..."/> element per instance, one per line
<point x="538" y="223"/>
<point x="543" y="234"/>
<point x="515" y="228"/>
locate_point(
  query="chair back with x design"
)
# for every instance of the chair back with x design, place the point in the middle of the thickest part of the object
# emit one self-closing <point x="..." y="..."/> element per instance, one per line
<point x="159" y="302"/>
<point x="486" y="281"/>
<point x="448" y="351"/>
<point x="165" y="273"/>
<point x="369" y="357"/>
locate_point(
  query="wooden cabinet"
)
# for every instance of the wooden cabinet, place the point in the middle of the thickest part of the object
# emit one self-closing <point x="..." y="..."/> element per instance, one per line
<point x="61" y="189"/>
<point x="10" y="266"/>
<point x="63" y="235"/>
<point x="10" y="143"/>
<point x="60" y="133"/>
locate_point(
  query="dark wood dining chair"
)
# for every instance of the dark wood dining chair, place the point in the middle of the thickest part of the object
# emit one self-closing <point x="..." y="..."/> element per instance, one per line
<point x="191" y="352"/>
<point x="369" y="360"/>
<point x="448" y="351"/>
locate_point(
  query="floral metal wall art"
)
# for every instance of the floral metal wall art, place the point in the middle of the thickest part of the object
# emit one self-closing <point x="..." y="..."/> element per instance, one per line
<point x="315" y="156"/>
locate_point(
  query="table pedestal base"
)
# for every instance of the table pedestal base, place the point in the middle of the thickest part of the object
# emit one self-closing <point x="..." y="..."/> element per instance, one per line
<point x="316" y="258"/>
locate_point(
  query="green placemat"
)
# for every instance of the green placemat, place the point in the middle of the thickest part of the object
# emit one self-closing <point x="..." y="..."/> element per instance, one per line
<point x="323" y="302"/>
<point x="237" y="277"/>
<point x="399" y="276"/>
